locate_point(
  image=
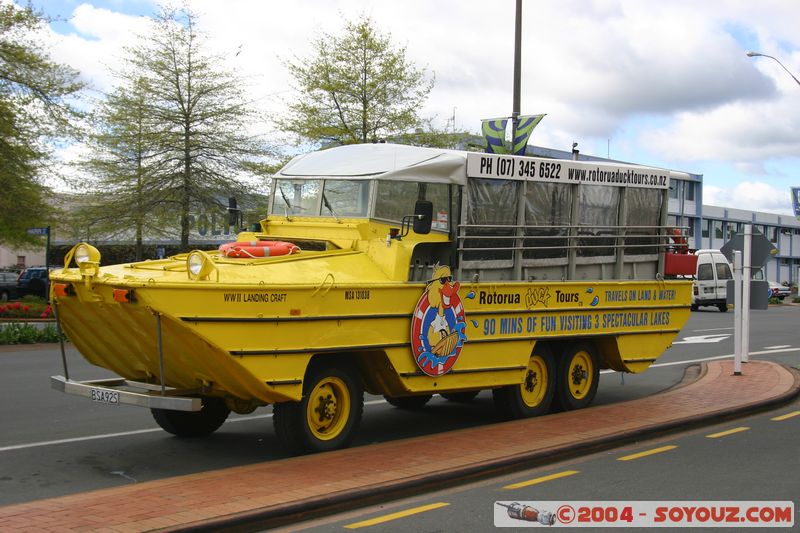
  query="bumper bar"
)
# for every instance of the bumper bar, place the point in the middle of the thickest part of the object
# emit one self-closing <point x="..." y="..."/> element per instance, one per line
<point x="122" y="391"/>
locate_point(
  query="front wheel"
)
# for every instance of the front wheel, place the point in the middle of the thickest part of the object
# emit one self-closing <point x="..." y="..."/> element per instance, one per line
<point x="534" y="395"/>
<point x="327" y="416"/>
<point x="193" y="423"/>
<point x="723" y="308"/>
<point x="578" y="376"/>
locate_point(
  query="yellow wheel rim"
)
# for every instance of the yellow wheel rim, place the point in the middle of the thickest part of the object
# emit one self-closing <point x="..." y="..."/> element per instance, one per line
<point x="579" y="377"/>
<point x="536" y="379"/>
<point x="328" y="408"/>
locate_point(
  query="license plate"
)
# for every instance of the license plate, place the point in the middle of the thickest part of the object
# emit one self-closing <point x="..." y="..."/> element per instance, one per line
<point x="105" y="396"/>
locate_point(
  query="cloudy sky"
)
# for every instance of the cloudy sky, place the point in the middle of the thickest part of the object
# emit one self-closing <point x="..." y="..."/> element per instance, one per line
<point x="654" y="82"/>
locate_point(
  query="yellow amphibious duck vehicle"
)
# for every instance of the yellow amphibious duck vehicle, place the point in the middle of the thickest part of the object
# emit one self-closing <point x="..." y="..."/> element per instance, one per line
<point x="398" y="271"/>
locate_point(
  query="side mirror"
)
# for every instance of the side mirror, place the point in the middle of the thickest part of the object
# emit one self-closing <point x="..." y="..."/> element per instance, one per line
<point x="423" y="217"/>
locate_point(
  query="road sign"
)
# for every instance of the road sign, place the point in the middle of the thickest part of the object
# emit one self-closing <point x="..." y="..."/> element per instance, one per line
<point x="760" y="249"/>
<point x="38" y="231"/>
<point x="760" y="293"/>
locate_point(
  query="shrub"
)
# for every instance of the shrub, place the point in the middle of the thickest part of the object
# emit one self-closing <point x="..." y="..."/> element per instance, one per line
<point x="23" y="333"/>
<point x="50" y="334"/>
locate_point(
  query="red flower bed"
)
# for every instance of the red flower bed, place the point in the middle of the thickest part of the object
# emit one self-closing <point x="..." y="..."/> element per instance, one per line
<point x="23" y="310"/>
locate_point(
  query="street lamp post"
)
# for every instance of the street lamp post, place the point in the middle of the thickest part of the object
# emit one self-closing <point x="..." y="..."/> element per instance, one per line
<point x="756" y="54"/>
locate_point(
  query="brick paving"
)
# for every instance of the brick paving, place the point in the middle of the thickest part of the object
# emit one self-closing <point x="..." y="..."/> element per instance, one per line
<point x="260" y="492"/>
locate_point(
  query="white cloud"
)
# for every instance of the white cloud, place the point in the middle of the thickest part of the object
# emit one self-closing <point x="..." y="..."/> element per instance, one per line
<point x="755" y="196"/>
<point x="96" y="46"/>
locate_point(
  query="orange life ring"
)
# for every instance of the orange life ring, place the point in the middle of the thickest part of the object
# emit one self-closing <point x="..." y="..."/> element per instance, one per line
<point x="257" y="248"/>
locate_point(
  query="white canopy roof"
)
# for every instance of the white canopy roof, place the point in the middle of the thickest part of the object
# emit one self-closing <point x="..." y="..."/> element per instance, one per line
<point x="436" y="165"/>
<point x="384" y="161"/>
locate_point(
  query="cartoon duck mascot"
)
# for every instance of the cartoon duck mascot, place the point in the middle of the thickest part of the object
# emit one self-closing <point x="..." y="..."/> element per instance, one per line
<point x="438" y="324"/>
<point x="441" y="293"/>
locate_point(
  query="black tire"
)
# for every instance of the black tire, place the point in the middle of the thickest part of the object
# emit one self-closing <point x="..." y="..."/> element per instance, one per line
<point x="577" y="376"/>
<point x="695" y="307"/>
<point x="534" y="396"/>
<point x="328" y="415"/>
<point x="723" y="308"/>
<point x="409" y="402"/>
<point x="461" y="397"/>
<point x="4" y="296"/>
<point x="193" y="423"/>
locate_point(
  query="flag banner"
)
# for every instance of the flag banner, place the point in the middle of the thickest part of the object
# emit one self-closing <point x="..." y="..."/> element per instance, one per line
<point x="494" y="130"/>
<point x="796" y="201"/>
<point x="524" y="129"/>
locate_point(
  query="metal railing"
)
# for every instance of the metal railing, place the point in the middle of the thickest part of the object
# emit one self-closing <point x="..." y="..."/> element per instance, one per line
<point x="579" y="237"/>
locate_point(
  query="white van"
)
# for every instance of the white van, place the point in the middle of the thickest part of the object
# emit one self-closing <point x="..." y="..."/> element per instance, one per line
<point x="711" y="280"/>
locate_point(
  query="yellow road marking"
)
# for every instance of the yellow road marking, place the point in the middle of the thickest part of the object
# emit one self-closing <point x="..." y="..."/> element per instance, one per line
<point x="787" y="415"/>
<point x="395" y="516"/>
<point x="541" y="479"/>
<point x="728" y="432"/>
<point x="648" y="452"/>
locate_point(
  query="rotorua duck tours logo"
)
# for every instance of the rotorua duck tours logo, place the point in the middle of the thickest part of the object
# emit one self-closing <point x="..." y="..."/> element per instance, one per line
<point x="438" y="324"/>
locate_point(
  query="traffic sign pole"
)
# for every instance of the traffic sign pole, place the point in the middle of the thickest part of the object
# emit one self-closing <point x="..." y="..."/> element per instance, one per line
<point x="747" y="275"/>
<point x="737" y="313"/>
<point x="47" y="250"/>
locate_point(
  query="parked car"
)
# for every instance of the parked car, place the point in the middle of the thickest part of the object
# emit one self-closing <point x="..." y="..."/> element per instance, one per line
<point x="8" y="286"/>
<point x="33" y="280"/>
<point x="778" y="291"/>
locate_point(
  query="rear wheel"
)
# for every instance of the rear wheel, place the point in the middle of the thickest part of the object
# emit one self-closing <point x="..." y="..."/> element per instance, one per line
<point x="723" y="308"/>
<point x="327" y="416"/>
<point x="578" y="376"/>
<point x="534" y="395"/>
<point x="409" y="402"/>
<point x="461" y="397"/>
<point x="193" y="423"/>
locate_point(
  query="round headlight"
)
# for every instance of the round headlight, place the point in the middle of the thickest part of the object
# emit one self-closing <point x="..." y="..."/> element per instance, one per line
<point x="199" y="265"/>
<point x="195" y="264"/>
<point x="86" y="253"/>
<point x="81" y="254"/>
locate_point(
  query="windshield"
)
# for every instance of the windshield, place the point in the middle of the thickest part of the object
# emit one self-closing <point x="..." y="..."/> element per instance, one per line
<point x="337" y="198"/>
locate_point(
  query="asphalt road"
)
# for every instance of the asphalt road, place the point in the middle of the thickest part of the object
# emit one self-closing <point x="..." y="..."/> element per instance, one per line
<point x="751" y="459"/>
<point x="54" y="444"/>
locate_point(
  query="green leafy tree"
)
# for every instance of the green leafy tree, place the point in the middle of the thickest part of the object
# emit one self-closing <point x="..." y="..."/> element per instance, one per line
<point x="36" y="110"/>
<point x="175" y="130"/>
<point x="125" y="157"/>
<point x="357" y="87"/>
